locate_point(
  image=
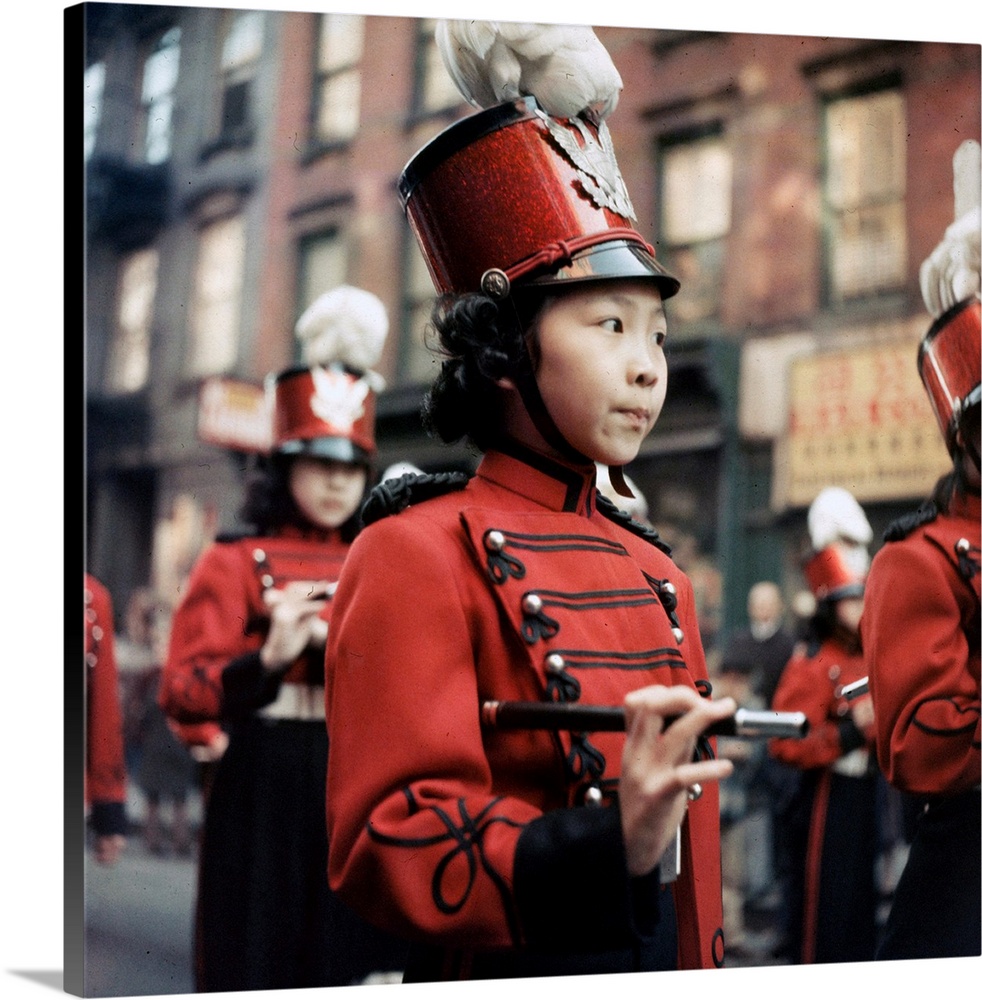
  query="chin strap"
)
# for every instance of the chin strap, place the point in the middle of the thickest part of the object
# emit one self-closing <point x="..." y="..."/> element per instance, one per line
<point x="617" y="480"/>
<point x="535" y="406"/>
<point x="528" y="389"/>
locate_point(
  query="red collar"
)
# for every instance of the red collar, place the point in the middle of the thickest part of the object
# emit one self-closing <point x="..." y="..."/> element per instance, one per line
<point x="542" y="480"/>
<point x="306" y="532"/>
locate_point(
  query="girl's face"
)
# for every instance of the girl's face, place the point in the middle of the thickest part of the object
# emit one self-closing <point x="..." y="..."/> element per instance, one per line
<point x="848" y="611"/>
<point x="601" y="366"/>
<point x="326" y="491"/>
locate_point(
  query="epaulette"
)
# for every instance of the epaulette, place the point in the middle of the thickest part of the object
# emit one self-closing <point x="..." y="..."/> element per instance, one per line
<point x="395" y="495"/>
<point x="907" y="523"/>
<point x="610" y="510"/>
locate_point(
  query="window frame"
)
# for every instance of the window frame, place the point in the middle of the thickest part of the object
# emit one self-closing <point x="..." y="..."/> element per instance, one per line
<point x="412" y="348"/>
<point x="331" y="233"/>
<point x="425" y="56"/>
<point x="831" y="298"/>
<point x="714" y="129"/>
<point x="125" y="337"/>
<point x="92" y="107"/>
<point x="199" y="325"/>
<point x="321" y="80"/>
<point x="241" y="75"/>
<point x="147" y="109"/>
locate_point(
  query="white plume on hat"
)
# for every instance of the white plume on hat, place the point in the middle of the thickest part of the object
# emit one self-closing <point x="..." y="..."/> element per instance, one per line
<point x="951" y="272"/>
<point x="564" y="67"/>
<point x="835" y="514"/>
<point x="345" y="326"/>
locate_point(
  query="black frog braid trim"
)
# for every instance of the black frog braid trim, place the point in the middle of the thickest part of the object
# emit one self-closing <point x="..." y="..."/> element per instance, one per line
<point x="904" y="525"/>
<point x="611" y="511"/>
<point x="395" y="495"/>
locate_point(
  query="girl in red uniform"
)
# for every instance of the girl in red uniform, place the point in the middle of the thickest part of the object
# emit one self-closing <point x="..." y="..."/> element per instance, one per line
<point x="247" y="651"/>
<point x="921" y="626"/>
<point x="832" y="822"/>
<point x="519" y="853"/>
<point x="105" y="767"/>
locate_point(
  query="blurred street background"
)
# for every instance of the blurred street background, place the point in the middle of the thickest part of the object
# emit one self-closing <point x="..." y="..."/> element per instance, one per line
<point x="240" y="162"/>
<point x="139" y="918"/>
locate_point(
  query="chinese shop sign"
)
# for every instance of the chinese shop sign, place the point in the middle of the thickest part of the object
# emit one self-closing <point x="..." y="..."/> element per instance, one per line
<point x="235" y="415"/>
<point x="859" y="419"/>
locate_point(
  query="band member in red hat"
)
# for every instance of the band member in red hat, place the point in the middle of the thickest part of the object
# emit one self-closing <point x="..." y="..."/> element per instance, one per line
<point x="105" y="768"/>
<point x="833" y="824"/>
<point x="519" y="853"/>
<point x="247" y="651"/>
<point x="921" y="624"/>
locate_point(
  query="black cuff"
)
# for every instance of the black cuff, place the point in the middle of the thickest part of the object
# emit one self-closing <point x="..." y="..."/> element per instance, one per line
<point x="108" y="818"/>
<point x="850" y="735"/>
<point x="572" y="887"/>
<point x="246" y="686"/>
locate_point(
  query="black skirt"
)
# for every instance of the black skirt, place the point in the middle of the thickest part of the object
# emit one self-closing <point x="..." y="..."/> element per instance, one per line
<point x="266" y="918"/>
<point x="936" y="906"/>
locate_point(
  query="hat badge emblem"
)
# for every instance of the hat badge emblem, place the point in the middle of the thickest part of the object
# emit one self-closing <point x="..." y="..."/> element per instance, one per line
<point x="594" y="161"/>
<point x="338" y="399"/>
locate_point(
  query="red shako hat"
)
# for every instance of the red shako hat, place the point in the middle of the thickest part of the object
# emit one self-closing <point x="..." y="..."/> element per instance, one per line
<point x="514" y="195"/>
<point x="831" y="576"/>
<point x="949" y="361"/>
<point x="325" y="412"/>
<point x="326" y="408"/>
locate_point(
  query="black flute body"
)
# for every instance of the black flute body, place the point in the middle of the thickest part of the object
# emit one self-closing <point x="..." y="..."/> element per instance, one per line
<point x="745" y="723"/>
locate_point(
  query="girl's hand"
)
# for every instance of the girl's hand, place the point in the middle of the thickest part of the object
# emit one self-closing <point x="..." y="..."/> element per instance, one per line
<point x="108" y="848"/>
<point x="294" y="624"/>
<point x="862" y="715"/>
<point x="657" y="767"/>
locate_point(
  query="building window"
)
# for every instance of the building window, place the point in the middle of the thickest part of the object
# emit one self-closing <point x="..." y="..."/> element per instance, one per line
<point x="241" y="48"/>
<point x="323" y="265"/>
<point x="865" y="189"/>
<point x="216" y="304"/>
<point x="695" y="212"/>
<point x="417" y="363"/>
<point x="157" y="95"/>
<point x="337" y="84"/>
<point x="95" y="78"/>
<point x="129" y="353"/>
<point x="435" y="90"/>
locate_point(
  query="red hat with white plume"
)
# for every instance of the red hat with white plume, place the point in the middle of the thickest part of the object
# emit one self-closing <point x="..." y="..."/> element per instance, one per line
<point x="527" y="191"/>
<point x="840" y="535"/>
<point x="949" y="358"/>
<point x="326" y="408"/>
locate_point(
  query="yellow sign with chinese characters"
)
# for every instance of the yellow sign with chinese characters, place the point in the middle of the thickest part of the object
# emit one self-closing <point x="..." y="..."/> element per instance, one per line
<point x="859" y="419"/>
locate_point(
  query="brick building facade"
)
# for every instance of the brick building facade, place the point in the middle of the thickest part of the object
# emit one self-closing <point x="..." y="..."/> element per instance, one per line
<point x="794" y="183"/>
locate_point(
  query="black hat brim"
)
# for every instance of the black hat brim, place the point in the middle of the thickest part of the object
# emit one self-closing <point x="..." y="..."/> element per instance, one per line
<point x="337" y="449"/>
<point x="607" y="261"/>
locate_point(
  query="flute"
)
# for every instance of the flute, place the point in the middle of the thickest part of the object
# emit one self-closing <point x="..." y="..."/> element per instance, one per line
<point x="852" y="691"/>
<point x="745" y="723"/>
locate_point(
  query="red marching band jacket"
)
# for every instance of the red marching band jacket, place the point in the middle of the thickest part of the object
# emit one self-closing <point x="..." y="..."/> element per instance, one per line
<point x="515" y="587"/>
<point x="920" y="633"/>
<point x="105" y="769"/>
<point x="812" y="683"/>
<point x="213" y="670"/>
